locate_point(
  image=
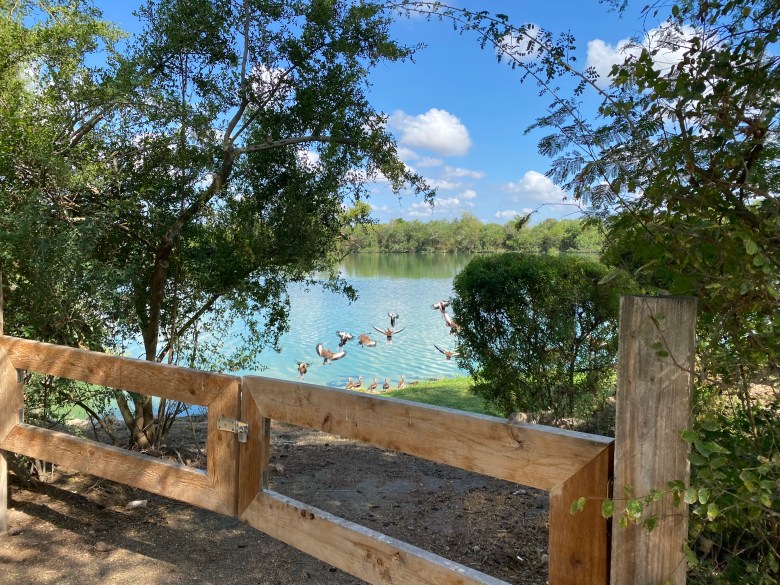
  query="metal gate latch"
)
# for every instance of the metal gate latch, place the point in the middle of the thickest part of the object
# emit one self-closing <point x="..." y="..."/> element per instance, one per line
<point x="234" y="426"/>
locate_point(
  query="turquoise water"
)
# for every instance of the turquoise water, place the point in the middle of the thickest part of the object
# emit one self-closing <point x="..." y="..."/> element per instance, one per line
<point x="407" y="284"/>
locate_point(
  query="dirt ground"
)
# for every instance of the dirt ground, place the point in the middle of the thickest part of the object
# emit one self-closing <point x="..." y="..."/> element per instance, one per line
<point x="77" y="529"/>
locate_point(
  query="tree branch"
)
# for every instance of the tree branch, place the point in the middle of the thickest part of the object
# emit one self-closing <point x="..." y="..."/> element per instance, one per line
<point x="291" y="141"/>
<point x="195" y="316"/>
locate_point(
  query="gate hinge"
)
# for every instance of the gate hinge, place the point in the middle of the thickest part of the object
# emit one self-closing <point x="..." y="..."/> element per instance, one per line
<point x="234" y="426"/>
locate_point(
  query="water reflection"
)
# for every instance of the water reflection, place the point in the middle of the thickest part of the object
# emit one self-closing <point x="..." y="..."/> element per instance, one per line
<point x="404" y="266"/>
<point x="407" y="284"/>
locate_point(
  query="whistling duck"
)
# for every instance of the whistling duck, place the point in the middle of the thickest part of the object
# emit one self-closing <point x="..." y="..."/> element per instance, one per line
<point x="327" y="355"/>
<point x="303" y="367"/>
<point x="358" y="384"/>
<point x="441" y="305"/>
<point x="350" y="384"/>
<point x="386" y="385"/>
<point x="393" y="316"/>
<point x="448" y="354"/>
<point x="343" y="337"/>
<point x="365" y="341"/>
<point x="402" y="382"/>
<point x="454" y="327"/>
<point x="389" y="332"/>
<point x="373" y="385"/>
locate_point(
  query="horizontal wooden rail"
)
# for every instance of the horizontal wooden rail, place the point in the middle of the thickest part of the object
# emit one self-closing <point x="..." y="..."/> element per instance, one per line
<point x="379" y="558"/>
<point x="149" y="378"/>
<point x="116" y="464"/>
<point x="533" y="455"/>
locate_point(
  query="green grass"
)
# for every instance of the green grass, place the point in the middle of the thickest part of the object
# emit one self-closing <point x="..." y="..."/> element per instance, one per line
<point x="450" y="392"/>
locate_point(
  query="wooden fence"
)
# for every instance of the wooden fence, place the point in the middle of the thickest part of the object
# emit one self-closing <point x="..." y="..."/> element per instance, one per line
<point x="566" y="464"/>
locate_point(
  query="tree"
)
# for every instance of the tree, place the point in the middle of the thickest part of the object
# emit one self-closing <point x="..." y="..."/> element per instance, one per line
<point x="539" y="333"/>
<point x="52" y="290"/>
<point x="681" y="163"/>
<point x="229" y="141"/>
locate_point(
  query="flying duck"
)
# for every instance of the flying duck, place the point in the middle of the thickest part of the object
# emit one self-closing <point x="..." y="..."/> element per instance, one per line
<point x="448" y="354"/>
<point x="327" y="355"/>
<point x="440" y="305"/>
<point x="373" y="385"/>
<point x="303" y="367"/>
<point x="389" y="332"/>
<point x="365" y="341"/>
<point x="343" y="337"/>
<point x="393" y="316"/>
<point x="454" y="327"/>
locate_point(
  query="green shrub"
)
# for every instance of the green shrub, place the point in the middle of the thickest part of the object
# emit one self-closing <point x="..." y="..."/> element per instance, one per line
<point x="735" y="494"/>
<point x="539" y="333"/>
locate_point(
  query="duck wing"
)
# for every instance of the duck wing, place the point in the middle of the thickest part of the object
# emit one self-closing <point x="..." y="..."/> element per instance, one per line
<point x="338" y="355"/>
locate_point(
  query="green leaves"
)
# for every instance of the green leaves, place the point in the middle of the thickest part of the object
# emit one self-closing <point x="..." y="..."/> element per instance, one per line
<point x="577" y="505"/>
<point x="541" y="330"/>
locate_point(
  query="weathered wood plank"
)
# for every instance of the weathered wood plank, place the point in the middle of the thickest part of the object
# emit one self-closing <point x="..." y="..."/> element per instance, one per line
<point x="3" y="494"/>
<point x="149" y="378"/>
<point x="171" y="480"/>
<point x="364" y="553"/>
<point x="532" y="455"/>
<point x="222" y="447"/>
<point x="11" y="402"/>
<point x="254" y="455"/>
<point x="579" y="543"/>
<point x="11" y="395"/>
<point x="653" y="406"/>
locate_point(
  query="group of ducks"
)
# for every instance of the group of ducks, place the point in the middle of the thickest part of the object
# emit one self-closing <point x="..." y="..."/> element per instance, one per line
<point x="374" y="386"/>
<point x="364" y="340"/>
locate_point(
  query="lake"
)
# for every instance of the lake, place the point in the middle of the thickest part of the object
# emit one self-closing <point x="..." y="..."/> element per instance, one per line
<point x="407" y="284"/>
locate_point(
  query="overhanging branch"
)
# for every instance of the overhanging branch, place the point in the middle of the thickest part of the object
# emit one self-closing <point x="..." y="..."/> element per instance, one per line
<point x="291" y="141"/>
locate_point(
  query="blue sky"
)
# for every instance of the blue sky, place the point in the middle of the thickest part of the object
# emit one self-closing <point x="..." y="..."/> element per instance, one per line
<point x="459" y="116"/>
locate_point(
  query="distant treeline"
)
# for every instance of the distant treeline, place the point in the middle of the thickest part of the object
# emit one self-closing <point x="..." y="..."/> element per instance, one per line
<point x="469" y="234"/>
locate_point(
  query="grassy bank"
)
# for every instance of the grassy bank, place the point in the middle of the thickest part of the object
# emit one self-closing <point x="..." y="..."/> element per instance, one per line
<point x="449" y="392"/>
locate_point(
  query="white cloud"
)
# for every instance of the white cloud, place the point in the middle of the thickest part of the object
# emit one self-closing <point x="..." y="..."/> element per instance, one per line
<point x="468" y="194"/>
<point x="452" y="206"/>
<point x="435" y="130"/>
<point x="669" y="43"/>
<point x="507" y="214"/>
<point x="443" y="184"/>
<point x="602" y="56"/>
<point x="461" y="172"/>
<point x="535" y="187"/>
<point x="405" y="153"/>
<point x="430" y="162"/>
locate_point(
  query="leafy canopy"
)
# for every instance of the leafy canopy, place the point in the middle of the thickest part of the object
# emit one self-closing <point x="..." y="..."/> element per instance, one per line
<point x="539" y="333"/>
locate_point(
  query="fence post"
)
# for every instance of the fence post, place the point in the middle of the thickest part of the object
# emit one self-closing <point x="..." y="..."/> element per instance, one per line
<point x="3" y="460"/>
<point x="11" y="401"/>
<point x="655" y="377"/>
